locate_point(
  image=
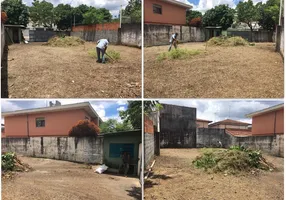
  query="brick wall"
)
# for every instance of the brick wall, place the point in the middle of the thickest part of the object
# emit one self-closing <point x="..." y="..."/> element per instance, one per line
<point x="148" y="125"/>
<point x="149" y="142"/>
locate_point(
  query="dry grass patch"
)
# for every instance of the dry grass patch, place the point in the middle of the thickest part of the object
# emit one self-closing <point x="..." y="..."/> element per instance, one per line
<point x="66" y="41"/>
<point x="177" y="54"/>
<point x="227" y="41"/>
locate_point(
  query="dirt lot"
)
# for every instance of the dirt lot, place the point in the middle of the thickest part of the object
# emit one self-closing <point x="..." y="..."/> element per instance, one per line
<point x="61" y="180"/>
<point x="175" y="178"/>
<point x="218" y="72"/>
<point x="45" y="72"/>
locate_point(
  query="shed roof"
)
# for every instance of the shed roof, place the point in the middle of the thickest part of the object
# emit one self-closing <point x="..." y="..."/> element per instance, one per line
<point x="14" y="26"/>
<point x="230" y="122"/>
<point x="86" y="106"/>
<point x="266" y="110"/>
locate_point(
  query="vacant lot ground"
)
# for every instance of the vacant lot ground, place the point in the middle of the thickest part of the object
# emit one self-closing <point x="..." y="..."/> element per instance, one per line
<point x="41" y="71"/>
<point x="175" y="178"/>
<point x="61" y="180"/>
<point x="218" y="72"/>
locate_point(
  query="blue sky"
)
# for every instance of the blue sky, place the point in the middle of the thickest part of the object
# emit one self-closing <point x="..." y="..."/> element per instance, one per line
<point x="105" y="109"/>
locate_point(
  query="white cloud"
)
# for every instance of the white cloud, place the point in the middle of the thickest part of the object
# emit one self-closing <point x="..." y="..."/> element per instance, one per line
<point x="121" y="108"/>
<point x="216" y="110"/>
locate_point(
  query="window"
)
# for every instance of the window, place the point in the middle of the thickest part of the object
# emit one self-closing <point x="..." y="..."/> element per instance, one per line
<point x="157" y="9"/>
<point x="40" y="122"/>
<point x="116" y="149"/>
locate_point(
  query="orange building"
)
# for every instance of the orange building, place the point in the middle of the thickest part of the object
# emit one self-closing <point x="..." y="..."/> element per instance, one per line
<point x="165" y="12"/>
<point x="230" y="124"/>
<point x="269" y="121"/>
<point x="201" y="123"/>
<point x="47" y="121"/>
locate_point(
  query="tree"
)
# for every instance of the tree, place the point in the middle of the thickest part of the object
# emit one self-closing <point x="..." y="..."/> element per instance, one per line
<point x="78" y="13"/>
<point x="192" y="14"/>
<point x="268" y="14"/>
<point x="112" y="125"/>
<point x="247" y="13"/>
<point x="133" y="10"/>
<point x="221" y="15"/>
<point x="16" y="11"/>
<point x="133" y="113"/>
<point x="63" y="16"/>
<point x="96" y="16"/>
<point x="41" y="13"/>
<point x="196" y="22"/>
<point x="84" y="128"/>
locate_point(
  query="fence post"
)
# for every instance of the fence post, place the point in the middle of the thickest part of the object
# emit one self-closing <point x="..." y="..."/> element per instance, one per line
<point x="278" y="38"/>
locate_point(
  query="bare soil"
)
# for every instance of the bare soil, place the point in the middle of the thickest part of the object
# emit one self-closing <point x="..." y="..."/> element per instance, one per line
<point x="38" y="71"/>
<point x="61" y="180"/>
<point x="217" y="72"/>
<point x="174" y="177"/>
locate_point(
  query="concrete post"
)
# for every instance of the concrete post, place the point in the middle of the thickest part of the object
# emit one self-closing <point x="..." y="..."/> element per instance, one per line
<point x="278" y="38"/>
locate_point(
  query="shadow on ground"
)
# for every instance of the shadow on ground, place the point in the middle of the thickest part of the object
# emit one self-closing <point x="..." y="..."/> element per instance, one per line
<point x="135" y="192"/>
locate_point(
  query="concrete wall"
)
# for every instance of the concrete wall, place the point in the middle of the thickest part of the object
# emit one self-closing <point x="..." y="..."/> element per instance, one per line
<point x="85" y="149"/>
<point x="56" y="123"/>
<point x="161" y="34"/>
<point x="2" y="39"/>
<point x="42" y="35"/>
<point x="202" y="124"/>
<point x="177" y="126"/>
<point x="268" y="123"/>
<point x="273" y="145"/>
<point x="258" y="36"/>
<point x="171" y="14"/>
<point x="4" y="71"/>
<point x="130" y="35"/>
<point x="211" y="137"/>
<point x="149" y="145"/>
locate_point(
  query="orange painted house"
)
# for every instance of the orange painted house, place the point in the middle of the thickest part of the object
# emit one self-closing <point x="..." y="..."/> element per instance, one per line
<point x="201" y="123"/>
<point x="269" y="121"/>
<point x="165" y="12"/>
<point x="47" y="121"/>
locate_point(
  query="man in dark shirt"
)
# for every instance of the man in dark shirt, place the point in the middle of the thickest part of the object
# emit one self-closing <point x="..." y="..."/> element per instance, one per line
<point x="126" y="162"/>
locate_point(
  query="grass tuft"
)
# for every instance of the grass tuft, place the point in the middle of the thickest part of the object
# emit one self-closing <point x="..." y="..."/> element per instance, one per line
<point x="177" y="54"/>
<point x="114" y="54"/>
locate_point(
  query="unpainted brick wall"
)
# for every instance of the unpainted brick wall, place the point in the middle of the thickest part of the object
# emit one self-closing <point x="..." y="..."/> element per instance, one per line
<point x="84" y="149"/>
<point x="149" y="142"/>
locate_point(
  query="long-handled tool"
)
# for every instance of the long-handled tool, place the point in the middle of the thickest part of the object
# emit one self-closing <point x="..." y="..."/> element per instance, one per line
<point x="110" y="57"/>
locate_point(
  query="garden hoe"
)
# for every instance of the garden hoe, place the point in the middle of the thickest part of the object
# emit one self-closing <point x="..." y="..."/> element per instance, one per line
<point x="110" y="57"/>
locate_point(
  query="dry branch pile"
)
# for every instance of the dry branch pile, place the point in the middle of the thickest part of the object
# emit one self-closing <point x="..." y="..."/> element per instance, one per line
<point x="66" y="41"/>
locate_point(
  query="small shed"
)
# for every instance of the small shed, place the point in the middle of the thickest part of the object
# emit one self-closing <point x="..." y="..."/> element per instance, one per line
<point x="13" y="33"/>
<point x="212" y="31"/>
<point x="117" y="143"/>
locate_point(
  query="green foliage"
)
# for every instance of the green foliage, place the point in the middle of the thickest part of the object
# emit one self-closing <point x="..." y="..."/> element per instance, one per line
<point x="16" y="11"/>
<point x="268" y="14"/>
<point x="221" y="15"/>
<point x="133" y="10"/>
<point x="133" y="114"/>
<point x="112" y="125"/>
<point x="227" y="41"/>
<point x="78" y="13"/>
<point x="192" y="14"/>
<point x="177" y="54"/>
<point x="233" y="160"/>
<point x="8" y="161"/>
<point x="41" y="13"/>
<point x="152" y="106"/>
<point x="247" y="13"/>
<point x="63" y="16"/>
<point x="96" y="16"/>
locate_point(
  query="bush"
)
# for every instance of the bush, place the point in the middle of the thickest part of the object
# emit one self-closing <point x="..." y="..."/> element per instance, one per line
<point x="231" y="161"/>
<point x="177" y="54"/>
<point x="65" y="41"/>
<point x="8" y="162"/>
<point x="227" y="41"/>
<point x="84" y="128"/>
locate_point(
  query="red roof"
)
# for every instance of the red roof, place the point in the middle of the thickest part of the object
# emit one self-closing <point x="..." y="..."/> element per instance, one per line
<point x="230" y="122"/>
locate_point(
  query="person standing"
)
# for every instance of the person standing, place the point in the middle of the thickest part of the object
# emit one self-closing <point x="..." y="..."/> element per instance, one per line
<point x="101" y="47"/>
<point x="173" y="41"/>
<point x="126" y="162"/>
